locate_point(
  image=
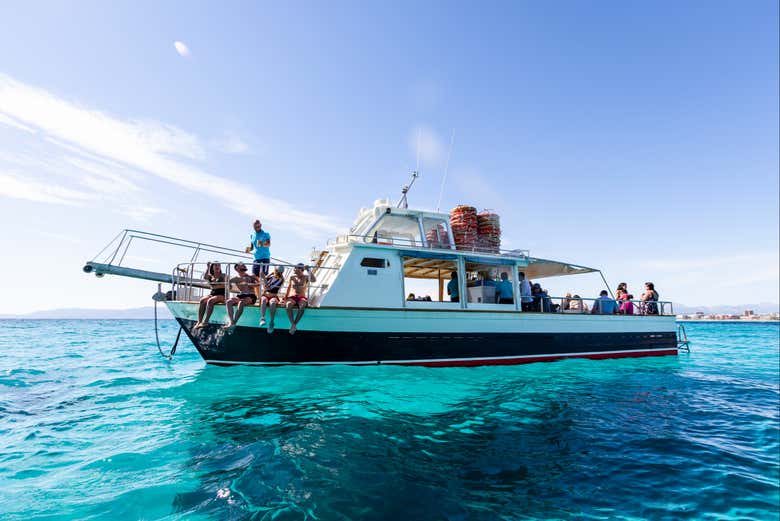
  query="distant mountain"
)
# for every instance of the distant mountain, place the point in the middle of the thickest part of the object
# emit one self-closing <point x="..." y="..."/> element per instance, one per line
<point x="95" y="314"/>
<point x="725" y="309"/>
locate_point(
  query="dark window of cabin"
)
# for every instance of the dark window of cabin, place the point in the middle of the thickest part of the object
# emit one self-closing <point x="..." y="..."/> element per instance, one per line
<point x="371" y="262"/>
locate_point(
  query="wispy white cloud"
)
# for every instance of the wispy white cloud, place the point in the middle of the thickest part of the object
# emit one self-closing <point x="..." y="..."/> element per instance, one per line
<point x="426" y="143"/>
<point x="18" y="187"/>
<point x="147" y="147"/>
<point x="167" y="139"/>
<point x="473" y="187"/>
<point x="182" y="49"/>
<point x="8" y="121"/>
<point x="101" y="178"/>
<point x="726" y="276"/>
<point x="231" y="144"/>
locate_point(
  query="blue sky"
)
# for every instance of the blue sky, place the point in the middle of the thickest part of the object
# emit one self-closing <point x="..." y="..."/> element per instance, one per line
<point x="641" y="138"/>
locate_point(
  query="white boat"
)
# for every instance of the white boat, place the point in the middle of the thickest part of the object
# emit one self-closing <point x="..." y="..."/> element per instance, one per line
<point x="358" y="311"/>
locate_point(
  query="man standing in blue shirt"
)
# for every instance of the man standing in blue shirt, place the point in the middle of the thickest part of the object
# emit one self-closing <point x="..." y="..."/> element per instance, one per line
<point x="504" y="290"/>
<point x="261" y="244"/>
<point x="526" y="301"/>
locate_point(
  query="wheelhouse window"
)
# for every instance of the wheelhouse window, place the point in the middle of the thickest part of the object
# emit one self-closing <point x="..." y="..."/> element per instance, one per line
<point x="400" y="230"/>
<point x="429" y="280"/>
<point x="436" y="233"/>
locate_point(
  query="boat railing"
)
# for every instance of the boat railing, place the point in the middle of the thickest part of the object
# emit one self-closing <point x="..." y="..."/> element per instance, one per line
<point x="578" y="305"/>
<point x="403" y="242"/>
<point x="114" y="258"/>
<point x="189" y="282"/>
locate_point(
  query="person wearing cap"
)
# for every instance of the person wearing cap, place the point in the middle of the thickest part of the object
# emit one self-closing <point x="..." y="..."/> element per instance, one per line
<point x="261" y="247"/>
<point x="246" y="295"/>
<point x="270" y="298"/>
<point x="299" y="281"/>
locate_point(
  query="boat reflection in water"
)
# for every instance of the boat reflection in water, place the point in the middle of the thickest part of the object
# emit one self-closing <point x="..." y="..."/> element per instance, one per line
<point x="390" y="443"/>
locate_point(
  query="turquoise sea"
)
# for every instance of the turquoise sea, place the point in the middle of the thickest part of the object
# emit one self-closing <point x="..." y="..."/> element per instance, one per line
<point x="94" y="424"/>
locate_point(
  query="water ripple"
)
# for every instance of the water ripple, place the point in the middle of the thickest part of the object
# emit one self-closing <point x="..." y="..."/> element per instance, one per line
<point x="95" y="425"/>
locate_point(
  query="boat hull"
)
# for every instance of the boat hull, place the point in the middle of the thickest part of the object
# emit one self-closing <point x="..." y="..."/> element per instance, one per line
<point x="406" y="337"/>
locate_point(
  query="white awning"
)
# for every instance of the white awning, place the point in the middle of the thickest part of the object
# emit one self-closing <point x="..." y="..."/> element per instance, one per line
<point x="543" y="268"/>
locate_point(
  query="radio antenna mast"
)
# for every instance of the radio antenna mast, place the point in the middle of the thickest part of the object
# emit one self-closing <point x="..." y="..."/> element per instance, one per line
<point x="402" y="202"/>
<point x="446" y="169"/>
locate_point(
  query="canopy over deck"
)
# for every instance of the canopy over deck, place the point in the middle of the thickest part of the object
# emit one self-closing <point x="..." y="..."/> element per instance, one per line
<point x="543" y="268"/>
<point x="432" y="266"/>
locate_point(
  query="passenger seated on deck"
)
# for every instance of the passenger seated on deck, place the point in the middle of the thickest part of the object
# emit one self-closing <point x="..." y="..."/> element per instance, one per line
<point x="541" y="300"/>
<point x="577" y="305"/>
<point x="270" y="298"/>
<point x="411" y="297"/>
<point x="213" y="276"/>
<point x="626" y="306"/>
<point x="246" y="295"/>
<point x="298" y="284"/>
<point x="604" y="305"/>
<point x="504" y="290"/>
<point x="650" y="299"/>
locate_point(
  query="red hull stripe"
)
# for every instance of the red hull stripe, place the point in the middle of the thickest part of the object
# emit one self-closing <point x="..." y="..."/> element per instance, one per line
<point x="532" y="359"/>
<point x="466" y="362"/>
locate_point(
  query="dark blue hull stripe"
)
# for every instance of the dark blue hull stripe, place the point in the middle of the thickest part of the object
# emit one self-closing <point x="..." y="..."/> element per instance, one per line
<point x="255" y="345"/>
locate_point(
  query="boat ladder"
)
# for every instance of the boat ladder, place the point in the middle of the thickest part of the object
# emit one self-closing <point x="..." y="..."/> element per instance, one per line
<point x="683" y="344"/>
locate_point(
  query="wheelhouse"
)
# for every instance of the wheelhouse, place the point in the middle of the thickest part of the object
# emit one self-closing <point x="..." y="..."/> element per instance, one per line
<point x="390" y="251"/>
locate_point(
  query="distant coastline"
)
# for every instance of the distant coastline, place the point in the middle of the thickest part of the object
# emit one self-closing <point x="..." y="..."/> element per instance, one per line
<point x="141" y="313"/>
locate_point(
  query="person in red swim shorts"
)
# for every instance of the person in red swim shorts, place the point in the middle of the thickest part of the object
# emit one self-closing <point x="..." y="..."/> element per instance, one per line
<point x="296" y="294"/>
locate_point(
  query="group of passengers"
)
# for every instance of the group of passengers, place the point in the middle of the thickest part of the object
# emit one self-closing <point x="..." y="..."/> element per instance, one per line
<point x="259" y="285"/>
<point x="621" y="304"/>
<point x="535" y="298"/>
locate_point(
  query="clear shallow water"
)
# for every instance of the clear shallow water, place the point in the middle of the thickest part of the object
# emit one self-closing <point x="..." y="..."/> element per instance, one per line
<point x="94" y="424"/>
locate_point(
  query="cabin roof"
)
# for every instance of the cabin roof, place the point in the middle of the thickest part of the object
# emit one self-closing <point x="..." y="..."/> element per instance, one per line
<point x="426" y="263"/>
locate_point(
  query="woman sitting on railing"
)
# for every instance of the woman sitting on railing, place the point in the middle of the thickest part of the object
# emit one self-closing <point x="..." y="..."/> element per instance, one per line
<point x="216" y="279"/>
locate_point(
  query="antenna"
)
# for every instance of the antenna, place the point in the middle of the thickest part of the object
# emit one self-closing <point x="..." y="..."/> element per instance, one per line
<point x="419" y="137"/>
<point x="446" y="169"/>
<point x="402" y="202"/>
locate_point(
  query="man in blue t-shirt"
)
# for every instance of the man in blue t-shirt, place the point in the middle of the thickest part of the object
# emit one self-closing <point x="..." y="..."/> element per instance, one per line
<point x="504" y="290"/>
<point x="604" y="305"/>
<point x="261" y="244"/>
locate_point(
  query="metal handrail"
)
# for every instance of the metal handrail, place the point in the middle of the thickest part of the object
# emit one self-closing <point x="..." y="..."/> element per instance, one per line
<point x="640" y="306"/>
<point x="410" y="243"/>
<point x="124" y="238"/>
